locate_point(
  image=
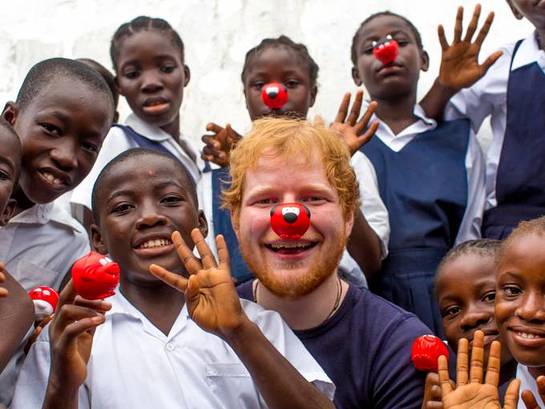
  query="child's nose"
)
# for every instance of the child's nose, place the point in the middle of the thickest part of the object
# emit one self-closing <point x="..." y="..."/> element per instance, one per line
<point x="532" y="307"/>
<point x="150" y="81"/>
<point x="474" y="319"/>
<point x="65" y="154"/>
<point x="149" y="217"/>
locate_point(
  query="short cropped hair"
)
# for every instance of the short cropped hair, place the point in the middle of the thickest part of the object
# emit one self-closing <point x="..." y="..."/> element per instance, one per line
<point x="137" y="153"/>
<point x="42" y="73"/>
<point x="481" y="247"/>
<point x="525" y="228"/>
<point x="292" y="138"/>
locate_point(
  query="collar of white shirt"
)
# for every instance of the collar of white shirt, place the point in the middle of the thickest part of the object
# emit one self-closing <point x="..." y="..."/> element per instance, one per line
<point x="45" y="213"/>
<point x="143" y="128"/>
<point x="528" y="53"/>
<point x="397" y="142"/>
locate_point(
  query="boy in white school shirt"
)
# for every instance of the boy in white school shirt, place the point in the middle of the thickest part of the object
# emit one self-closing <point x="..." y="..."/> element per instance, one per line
<point x="149" y="348"/>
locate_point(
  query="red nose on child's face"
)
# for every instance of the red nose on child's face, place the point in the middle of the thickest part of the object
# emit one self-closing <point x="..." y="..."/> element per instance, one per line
<point x="425" y="352"/>
<point x="274" y="95"/>
<point x="290" y="220"/>
<point x="94" y="276"/>
<point x="386" y="51"/>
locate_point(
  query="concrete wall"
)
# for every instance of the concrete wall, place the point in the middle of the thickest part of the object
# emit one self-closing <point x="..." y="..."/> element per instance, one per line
<point x="217" y="34"/>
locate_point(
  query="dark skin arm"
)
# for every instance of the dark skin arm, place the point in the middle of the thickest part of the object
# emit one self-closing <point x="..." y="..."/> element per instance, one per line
<point x="460" y="66"/>
<point x="363" y="245"/>
<point x="16" y="315"/>
<point x="71" y="337"/>
<point x="213" y="304"/>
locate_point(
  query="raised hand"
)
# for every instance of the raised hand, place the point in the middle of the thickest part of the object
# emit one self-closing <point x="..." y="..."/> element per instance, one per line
<point x="210" y="294"/>
<point x="71" y="337"/>
<point x="432" y="392"/>
<point x="354" y="132"/>
<point x="469" y="391"/>
<point x="528" y="397"/>
<point x="219" y="144"/>
<point x="460" y="66"/>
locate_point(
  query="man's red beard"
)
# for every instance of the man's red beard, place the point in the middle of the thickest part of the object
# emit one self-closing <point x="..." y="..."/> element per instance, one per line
<point x="294" y="286"/>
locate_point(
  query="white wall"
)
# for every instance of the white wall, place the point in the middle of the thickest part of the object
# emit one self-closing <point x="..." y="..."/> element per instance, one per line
<point x="217" y="34"/>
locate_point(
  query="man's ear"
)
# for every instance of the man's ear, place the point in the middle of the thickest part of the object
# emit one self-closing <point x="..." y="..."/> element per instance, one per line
<point x="349" y="223"/>
<point x="203" y="224"/>
<point x="424" y="60"/>
<point x="187" y="74"/>
<point x="11" y="112"/>
<point x="518" y="15"/>
<point x="9" y="211"/>
<point x="97" y="240"/>
<point x="356" y="76"/>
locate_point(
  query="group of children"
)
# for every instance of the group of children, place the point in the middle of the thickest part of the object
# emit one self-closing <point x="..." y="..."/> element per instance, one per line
<point x="427" y="195"/>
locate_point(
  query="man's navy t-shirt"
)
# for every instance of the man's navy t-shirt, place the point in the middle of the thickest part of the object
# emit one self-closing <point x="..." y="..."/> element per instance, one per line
<point x="365" y="348"/>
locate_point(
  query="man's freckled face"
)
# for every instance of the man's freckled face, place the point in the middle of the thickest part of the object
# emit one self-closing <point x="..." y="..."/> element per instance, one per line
<point x="137" y="219"/>
<point x="520" y="299"/>
<point x="61" y="132"/>
<point x="291" y="272"/>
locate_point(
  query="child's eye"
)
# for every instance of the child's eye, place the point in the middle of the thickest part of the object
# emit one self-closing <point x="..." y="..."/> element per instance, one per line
<point x="121" y="208"/>
<point x="451" y="311"/>
<point x="291" y="83"/>
<point x="402" y="43"/>
<point x="168" y="68"/>
<point x="90" y="147"/>
<point x="511" y="290"/>
<point x="489" y="297"/>
<point x="368" y="50"/>
<point x="4" y="175"/>
<point x="171" y="200"/>
<point x="51" y="129"/>
<point x="133" y="74"/>
<point x="257" y="85"/>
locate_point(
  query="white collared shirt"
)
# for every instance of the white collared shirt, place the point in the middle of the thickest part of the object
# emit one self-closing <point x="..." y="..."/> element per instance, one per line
<point x="40" y="244"/>
<point x="134" y="365"/>
<point x="117" y="142"/>
<point x="527" y="381"/>
<point x="371" y="206"/>
<point x="488" y="97"/>
<point x="470" y="226"/>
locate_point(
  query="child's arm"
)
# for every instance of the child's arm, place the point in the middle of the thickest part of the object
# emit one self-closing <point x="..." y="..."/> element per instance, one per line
<point x="460" y="66"/>
<point x="71" y="338"/>
<point x="218" y="146"/>
<point x="470" y="392"/>
<point x="213" y="304"/>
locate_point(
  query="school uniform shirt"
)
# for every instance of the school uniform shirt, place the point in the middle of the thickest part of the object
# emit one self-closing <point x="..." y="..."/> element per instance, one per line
<point x="488" y="97"/>
<point x="527" y="381"/>
<point x="134" y="365"/>
<point x="117" y="142"/>
<point x="474" y="164"/>
<point x="371" y="206"/>
<point x="38" y="246"/>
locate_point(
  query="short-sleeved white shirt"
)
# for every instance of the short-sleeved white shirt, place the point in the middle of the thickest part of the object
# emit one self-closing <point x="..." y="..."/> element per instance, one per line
<point x="117" y="142"/>
<point x="474" y="162"/>
<point x="134" y="365"/>
<point x="488" y="97"/>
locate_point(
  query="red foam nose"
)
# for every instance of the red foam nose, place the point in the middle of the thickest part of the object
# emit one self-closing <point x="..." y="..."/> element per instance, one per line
<point x="386" y="52"/>
<point x="274" y="95"/>
<point x="290" y="220"/>
<point x="47" y="294"/>
<point x="94" y="276"/>
<point x="425" y="351"/>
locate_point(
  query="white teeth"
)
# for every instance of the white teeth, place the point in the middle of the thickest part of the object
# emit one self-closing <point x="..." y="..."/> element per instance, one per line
<point x="277" y="246"/>
<point x="155" y="243"/>
<point x="528" y="336"/>
<point x="52" y="179"/>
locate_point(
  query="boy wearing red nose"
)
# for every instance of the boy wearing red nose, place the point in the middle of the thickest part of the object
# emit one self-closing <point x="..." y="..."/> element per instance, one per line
<point x="361" y="341"/>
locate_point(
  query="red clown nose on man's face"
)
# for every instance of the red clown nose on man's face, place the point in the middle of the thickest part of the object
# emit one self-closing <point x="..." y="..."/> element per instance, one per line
<point x="290" y="220"/>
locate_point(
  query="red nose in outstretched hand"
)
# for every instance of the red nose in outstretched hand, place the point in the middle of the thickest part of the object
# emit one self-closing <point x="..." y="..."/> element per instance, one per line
<point x="95" y="276"/>
<point x="45" y="301"/>
<point x="274" y="95"/>
<point x="386" y="51"/>
<point x="425" y="352"/>
<point x="290" y="220"/>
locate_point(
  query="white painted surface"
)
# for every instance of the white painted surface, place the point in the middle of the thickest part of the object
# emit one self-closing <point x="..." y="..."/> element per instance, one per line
<point x="217" y="34"/>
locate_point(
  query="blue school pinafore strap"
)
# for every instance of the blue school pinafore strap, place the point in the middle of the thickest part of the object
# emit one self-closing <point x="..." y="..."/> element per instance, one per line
<point x="520" y="181"/>
<point x="144" y="142"/>
<point x="222" y="225"/>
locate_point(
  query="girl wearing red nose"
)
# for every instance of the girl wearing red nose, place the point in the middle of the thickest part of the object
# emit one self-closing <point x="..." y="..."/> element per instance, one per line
<point x="430" y="175"/>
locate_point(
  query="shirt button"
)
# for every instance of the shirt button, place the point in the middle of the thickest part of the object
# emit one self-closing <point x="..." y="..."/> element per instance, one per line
<point x="171" y="347"/>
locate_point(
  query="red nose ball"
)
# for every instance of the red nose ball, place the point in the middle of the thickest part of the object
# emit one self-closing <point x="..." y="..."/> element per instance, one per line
<point x="94" y="276"/>
<point x="45" y="294"/>
<point x="290" y="220"/>
<point x="386" y="52"/>
<point x="274" y="95"/>
<point x="425" y="352"/>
